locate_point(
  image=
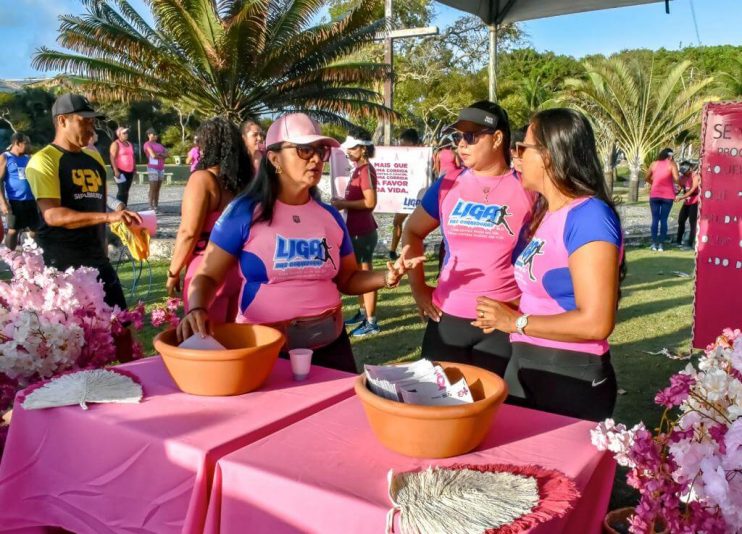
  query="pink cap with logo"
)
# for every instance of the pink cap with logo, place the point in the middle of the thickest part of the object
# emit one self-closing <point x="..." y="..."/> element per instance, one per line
<point x="296" y="128"/>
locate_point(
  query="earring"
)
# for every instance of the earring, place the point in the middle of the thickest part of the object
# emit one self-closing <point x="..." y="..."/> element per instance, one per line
<point x="279" y="170"/>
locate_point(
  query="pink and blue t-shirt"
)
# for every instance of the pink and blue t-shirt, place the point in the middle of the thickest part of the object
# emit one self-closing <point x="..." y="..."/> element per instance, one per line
<point x="287" y="266"/>
<point x="481" y="218"/>
<point x="542" y="269"/>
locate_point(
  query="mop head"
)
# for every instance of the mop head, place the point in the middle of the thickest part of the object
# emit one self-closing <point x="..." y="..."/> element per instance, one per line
<point x="472" y="499"/>
<point x="97" y="385"/>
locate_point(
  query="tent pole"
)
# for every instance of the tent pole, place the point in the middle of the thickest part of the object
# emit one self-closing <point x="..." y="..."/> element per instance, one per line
<point x="493" y="63"/>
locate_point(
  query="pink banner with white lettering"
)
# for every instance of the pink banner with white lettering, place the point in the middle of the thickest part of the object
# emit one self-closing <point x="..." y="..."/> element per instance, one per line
<point x="719" y="242"/>
<point x="402" y="176"/>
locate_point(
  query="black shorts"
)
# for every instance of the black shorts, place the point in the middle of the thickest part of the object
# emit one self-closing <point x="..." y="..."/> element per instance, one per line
<point x="565" y="382"/>
<point x="364" y="246"/>
<point x="25" y="215"/>
<point x="454" y="339"/>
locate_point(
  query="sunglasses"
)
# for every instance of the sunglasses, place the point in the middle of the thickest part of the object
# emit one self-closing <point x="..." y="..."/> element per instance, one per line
<point x="520" y="149"/>
<point x="306" y="152"/>
<point x="470" y="137"/>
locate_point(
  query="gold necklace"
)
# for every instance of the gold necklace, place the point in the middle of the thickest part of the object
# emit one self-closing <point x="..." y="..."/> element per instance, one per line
<point x="487" y="190"/>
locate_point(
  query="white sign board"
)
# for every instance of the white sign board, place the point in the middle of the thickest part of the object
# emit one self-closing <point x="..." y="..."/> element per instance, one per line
<point x="402" y="176"/>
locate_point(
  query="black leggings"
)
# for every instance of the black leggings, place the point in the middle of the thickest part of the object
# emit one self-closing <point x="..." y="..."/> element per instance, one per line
<point x="454" y="339"/>
<point x="565" y="382"/>
<point x="337" y="355"/>
<point x="688" y="212"/>
<point x="122" y="195"/>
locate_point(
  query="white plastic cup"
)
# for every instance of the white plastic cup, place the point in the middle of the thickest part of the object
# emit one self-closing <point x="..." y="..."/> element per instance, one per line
<point x="149" y="221"/>
<point x="301" y="362"/>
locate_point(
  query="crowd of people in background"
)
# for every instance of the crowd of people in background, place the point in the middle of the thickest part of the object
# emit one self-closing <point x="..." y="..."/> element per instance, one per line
<point x="530" y="262"/>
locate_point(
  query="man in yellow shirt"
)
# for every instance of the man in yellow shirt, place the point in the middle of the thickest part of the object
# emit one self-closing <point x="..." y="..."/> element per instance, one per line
<point x="69" y="184"/>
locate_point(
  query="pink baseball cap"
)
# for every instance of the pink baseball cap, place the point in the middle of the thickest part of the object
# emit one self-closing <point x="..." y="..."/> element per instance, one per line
<point x="296" y="128"/>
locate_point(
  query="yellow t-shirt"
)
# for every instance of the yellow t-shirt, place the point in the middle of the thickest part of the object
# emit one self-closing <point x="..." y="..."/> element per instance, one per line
<point x="78" y="181"/>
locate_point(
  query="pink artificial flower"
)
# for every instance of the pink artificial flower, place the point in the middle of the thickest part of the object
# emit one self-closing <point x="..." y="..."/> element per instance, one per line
<point x="676" y="392"/>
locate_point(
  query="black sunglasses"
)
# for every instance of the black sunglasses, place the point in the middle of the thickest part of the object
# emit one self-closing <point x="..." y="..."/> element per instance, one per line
<point x="470" y="137"/>
<point x="306" y="152"/>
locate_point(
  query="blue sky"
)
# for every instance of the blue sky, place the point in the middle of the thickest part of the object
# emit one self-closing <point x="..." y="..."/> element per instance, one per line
<point x="27" y="24"/>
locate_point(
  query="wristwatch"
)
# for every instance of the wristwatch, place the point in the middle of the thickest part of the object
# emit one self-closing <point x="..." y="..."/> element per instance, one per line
<point x="521" y="322"/>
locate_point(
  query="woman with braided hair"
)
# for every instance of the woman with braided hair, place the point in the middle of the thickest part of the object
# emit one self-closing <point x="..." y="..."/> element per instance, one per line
<point x="222" y="173"/>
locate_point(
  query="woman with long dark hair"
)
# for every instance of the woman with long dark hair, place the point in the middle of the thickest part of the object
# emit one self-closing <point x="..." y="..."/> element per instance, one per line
<point x="480" y="210"/>
<point x="294" y="252"/>
<point x="569" y="274"/>
<point x="221" y="174"/>
<point x="662" y="177"/>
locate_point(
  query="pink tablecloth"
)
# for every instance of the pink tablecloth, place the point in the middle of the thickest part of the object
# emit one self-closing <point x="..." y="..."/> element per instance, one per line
<point x="146" y="467"/>
<point x="328" y="473"/>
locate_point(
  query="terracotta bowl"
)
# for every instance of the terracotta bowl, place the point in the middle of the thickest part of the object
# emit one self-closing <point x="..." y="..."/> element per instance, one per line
<point x="251" y="352"/>
<point x="436" y="431"/>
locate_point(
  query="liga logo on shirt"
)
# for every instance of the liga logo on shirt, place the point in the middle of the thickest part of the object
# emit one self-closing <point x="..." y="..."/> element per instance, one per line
<point x="297" y="253"/>
<point x="526" y="258"/>
<point x="473" y="214"/>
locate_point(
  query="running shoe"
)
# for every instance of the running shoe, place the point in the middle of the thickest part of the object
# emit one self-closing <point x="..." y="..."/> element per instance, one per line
<point x="653" y="248"/>
<point x="357" y="319"/>
<point x="660" y="249"/>
<point x="366" y="328"/>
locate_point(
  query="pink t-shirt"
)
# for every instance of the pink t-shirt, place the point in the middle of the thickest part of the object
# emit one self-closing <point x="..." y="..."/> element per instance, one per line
<point x="686" y="182"/>
<point x="481" y="231"/>
<point x="158" y="149"/>
<point x="446" y="161"/>
<point x="360" y="222"/>
<point x="662" y="184"/>
<point x="542" y="268"/>
<point x="287" y="266"/>
<point x="195" y="155"/>
<point x="125" y="156"/>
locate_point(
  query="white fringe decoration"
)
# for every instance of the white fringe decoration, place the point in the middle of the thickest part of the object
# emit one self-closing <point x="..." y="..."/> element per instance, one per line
<point x="463" y="501"/>
<point x="97" y="385"/>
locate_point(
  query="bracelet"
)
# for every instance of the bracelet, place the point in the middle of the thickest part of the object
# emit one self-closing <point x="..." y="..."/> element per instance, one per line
<point x="197" y="308"/>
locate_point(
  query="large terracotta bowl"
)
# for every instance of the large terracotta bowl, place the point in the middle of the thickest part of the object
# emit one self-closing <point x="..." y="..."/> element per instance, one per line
<point x="251" y="352"/>
<point x="436" y="431"/>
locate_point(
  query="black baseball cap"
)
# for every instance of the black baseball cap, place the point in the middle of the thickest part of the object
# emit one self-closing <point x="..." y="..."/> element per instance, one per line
<point x="77" y="104"/>
<point x="477" y="116"/>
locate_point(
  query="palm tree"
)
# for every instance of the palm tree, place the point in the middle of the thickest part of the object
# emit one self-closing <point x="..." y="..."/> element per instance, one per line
<point x="639" y="111"/>
<point x="235" y="58"/>
<point x="526" y="97"/>
<point x="731" y="81"/>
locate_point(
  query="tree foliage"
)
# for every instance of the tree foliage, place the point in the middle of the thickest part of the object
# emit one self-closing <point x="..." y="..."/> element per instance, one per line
<point x="640" y="110"/>
<point x="236" y="58"/>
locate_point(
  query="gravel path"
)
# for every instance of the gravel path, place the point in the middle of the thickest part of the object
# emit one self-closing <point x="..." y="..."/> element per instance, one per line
<point x="635" y="219"/>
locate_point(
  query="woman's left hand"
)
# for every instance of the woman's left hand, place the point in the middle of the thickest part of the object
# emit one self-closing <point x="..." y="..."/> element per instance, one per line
<point x="493" y="315"/>
<point x="395" y="271"/>
<point x="338" y="203"/>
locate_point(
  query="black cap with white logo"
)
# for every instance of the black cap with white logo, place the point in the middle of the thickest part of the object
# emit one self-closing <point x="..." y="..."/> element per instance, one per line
<point x="476" y="116"/>
<point x="77" y="104"/>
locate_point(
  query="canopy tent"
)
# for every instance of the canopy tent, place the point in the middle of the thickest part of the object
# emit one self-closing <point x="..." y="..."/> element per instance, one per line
<point x="496" y="12"/>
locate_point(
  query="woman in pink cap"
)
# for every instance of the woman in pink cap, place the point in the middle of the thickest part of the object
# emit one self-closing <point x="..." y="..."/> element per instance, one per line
<point x="222" y="173"/>
<point x="294" y="252"/>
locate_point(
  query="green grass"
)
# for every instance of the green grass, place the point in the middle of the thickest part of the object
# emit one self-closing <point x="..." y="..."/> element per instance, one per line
<point x="655" y="312"/>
